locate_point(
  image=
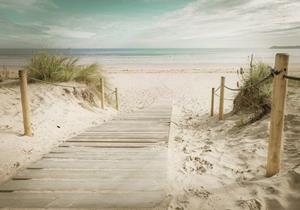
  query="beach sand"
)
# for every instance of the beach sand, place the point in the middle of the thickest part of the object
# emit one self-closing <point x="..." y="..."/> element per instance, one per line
<point x="57" y="113"/>
<point x="212" y="164"/>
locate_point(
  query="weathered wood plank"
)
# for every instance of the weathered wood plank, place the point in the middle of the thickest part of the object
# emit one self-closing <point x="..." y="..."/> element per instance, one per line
<point x="97" y="164"/>
<point x="120" y="164"/>
<point x="106" y="156"/>
<point x="115" y="151"/>
<point x="107" y="145"/>
<point x="90" y="174"/>
<point x="124" y="136"/>
<point x="83" y="185"/>
<point x="80" y="200"/>
<point x="94" y="140"/>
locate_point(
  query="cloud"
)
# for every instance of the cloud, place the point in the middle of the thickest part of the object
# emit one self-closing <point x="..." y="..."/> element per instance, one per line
<point x="201" y="23"/>
<point x="25" y="5"/>
<point x="69" y="33"/>
<point x="206" y="22"/>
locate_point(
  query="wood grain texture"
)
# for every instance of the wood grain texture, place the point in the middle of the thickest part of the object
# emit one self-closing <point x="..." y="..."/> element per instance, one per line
<point x="121" y="164"/>
<point x="277" y="114"/>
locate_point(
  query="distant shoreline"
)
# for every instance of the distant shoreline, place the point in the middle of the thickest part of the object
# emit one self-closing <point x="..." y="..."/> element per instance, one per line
<point x="285" y="47"/>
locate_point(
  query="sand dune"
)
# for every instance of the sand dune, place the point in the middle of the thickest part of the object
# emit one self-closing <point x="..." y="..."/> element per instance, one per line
<point x="57" y="113"/>
<point x="216" y="165"/>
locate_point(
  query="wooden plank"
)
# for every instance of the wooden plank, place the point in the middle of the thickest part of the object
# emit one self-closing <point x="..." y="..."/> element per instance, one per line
<point x="83" y="185"/>
<point x="48" y="200"/>
<point x="120" y="164"/>
<point x="110" y="144"/>
<point x="97" y="164"/>
<point x="154" y="150"/>
<point x="121" y="122"/>
<point x="102" y="140"/>
<point x="127" y="135"/>
<point x="126" y="128"/>
<point x="165" y="131"/>
<point x="106" y="156"/>
<point x="89" y="174"/>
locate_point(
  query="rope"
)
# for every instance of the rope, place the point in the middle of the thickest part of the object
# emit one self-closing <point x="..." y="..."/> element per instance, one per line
<point x="228" y="99"/>
<point x="110" y="89"/>
<point x="217" y="89"/>
<point x="291" y="77"/>
<point x="110" y="94"/>
<point x="55" y="84"/>
<point x="253" y="85"/>
<point x="232" y="89"/>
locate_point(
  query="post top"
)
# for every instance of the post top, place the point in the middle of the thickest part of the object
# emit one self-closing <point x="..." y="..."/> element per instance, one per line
<point x="282" y="54"/>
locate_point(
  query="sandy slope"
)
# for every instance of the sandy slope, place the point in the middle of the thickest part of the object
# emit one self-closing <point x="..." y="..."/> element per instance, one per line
<point x="57" y="113"/>
<point x="215" y="165"/>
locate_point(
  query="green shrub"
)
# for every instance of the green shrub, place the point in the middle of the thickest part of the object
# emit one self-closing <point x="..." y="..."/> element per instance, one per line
<point x="58" y="68"/>
<point x="253" y="97"/>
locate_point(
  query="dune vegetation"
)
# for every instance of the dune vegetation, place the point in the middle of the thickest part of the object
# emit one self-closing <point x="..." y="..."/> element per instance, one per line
<point x="254" y="96"/>
<point x="60" y="68"/>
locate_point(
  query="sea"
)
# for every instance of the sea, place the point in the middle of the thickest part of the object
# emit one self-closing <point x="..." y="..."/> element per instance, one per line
<point x="156" y="58"/>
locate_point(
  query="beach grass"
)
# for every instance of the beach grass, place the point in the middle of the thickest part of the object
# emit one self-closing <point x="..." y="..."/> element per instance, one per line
<point x="254" y="97"/>
<point x="60" y="68"/>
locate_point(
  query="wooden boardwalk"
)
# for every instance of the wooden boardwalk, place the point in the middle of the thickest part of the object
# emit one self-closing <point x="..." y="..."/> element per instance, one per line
<point x="121" y="164"/>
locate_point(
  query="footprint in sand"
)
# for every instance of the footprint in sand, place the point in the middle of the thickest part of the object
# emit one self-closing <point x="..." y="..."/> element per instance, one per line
<point x="194" y="164"/>
<point x="252" y="204"/>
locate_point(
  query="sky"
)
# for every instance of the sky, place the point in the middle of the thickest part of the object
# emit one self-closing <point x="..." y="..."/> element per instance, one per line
<point x="149" y="23"/>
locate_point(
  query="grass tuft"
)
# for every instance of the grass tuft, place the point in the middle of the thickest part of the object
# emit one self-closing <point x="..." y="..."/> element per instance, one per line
<point x="58" y="68"/>
<point x="256" y="99"/>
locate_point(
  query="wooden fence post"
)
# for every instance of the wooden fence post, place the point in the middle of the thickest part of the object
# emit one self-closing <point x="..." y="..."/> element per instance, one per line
<point x="117" y="99"/>
<point x="221" y="105"/>
<point x="212" y="102"/>
<point x="251" y="64"/>
<point x="25" y="103"/>
<point x="277" y="114"/>
<point x="102" y="93"/>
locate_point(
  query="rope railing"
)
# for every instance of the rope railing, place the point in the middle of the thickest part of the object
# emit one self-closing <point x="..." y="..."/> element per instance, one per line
<point x="254" y="84"/>
<point x="228" y="99"/>
<point x="291" y="77"/>
<point x="218" y="88"/>
<point x="279" y="76"/>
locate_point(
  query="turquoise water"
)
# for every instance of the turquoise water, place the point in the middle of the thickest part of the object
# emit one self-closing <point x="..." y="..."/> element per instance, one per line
<point x="139" y="59"/>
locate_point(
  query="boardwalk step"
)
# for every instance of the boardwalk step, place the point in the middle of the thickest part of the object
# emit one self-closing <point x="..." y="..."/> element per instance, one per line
<point x="81" y="200"/>
<point x="90" y="174"/>
<point x="83" y="185"/>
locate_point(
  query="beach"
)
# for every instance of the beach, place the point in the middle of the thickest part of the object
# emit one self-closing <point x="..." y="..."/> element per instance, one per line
<point x="212" y="164"/>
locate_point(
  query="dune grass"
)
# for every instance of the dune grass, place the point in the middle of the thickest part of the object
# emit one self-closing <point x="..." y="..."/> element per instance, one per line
<point x="252" y="98"/>
<point x="59" y="68"/>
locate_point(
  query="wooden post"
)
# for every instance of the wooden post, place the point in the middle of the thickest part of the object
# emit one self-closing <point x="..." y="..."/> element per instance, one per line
<point x="212" y="102"/>
<point x="117" y="99"/>
<point x="277" y="114"/>
<point x="221" y="105"/>
<point x="102" y="93"/>
<point x="251" y="64"/>
<point x="25" y="103"/>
